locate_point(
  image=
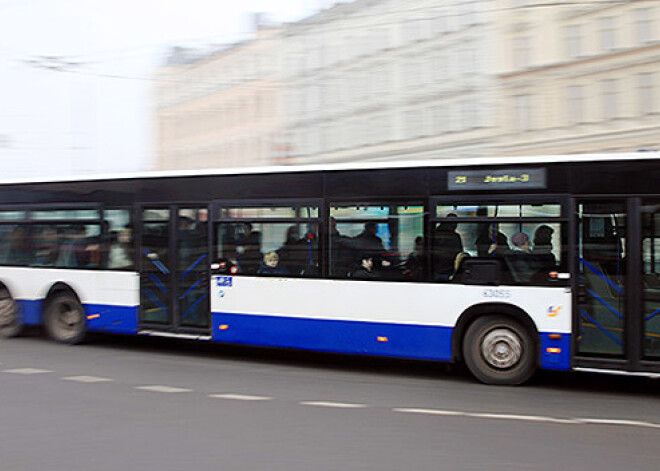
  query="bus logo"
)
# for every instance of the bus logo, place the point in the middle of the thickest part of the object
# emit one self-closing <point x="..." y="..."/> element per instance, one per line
<point x="553" y="311"/>
<point x="224" y="281"/>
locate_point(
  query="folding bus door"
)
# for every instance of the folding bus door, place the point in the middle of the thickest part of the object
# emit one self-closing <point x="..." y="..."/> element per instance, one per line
<point x="601" y="309"/>
<point x="174" y="268"/>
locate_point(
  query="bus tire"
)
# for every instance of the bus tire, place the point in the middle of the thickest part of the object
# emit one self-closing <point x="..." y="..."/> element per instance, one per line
<point x="499" y="350"/>
<point x="10" y="319"/>
<point x="64" y="319"/>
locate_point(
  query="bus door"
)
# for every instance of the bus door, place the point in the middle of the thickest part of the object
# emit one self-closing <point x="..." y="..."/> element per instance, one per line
<point x="601" y="307"/>
<point x="650" y="282"/>
<point x="174" y="268"/>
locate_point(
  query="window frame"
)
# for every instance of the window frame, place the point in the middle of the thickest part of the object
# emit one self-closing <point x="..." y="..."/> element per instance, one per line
<point x="215" y="219"/>
<point x="564" y="219"/>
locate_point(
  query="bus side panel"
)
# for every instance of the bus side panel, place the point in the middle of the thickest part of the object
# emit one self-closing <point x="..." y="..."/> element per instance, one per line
<point x="30" y="311"/>
<point x="555" y="352"/>
<point x="110" y="299"/>
<point x="395" y="340"/>
<point x="114" y="319"/>
<point x="412" y="320"/>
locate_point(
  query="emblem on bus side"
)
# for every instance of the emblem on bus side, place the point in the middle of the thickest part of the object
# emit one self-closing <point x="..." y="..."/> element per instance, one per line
<point x="554" y="311"/>
<point x="224" y="281"/>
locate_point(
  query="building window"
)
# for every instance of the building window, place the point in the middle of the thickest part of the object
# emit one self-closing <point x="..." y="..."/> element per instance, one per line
<point x="646" y="93"/>
<point x="607" y="33"/>
<point x="609" y="94"/>
<point x="643" y="25"/>
<point x="573" y="38"/>
<point x="521" y="52"/>
<point x="575" y="104"/>
<point x="522" y="108"/>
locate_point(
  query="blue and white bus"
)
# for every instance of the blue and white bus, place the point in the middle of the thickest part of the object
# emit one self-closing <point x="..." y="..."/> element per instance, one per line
<point x="506" y="265"/>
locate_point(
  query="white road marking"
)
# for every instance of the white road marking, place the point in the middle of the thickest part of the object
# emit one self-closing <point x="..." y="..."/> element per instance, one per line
<point x="240" y="397"/>
<point x="632" y="423"/>
<point x="163" y="389"/>
<point x="530" y="418"/>
<point x="86" y="379"/>
<point x="339" y="405"/>
<point x="430" y="411"/>
<point x="27" y="371"/>
<point x="526" y="418"/>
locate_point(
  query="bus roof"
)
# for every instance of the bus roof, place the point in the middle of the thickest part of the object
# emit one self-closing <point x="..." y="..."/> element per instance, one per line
<point x="370" y="165"/>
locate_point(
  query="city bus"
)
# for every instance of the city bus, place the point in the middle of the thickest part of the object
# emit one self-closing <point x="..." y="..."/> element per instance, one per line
<point x="507" y="266"/>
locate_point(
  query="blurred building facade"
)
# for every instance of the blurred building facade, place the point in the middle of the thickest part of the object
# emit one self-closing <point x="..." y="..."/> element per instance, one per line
<point x="579" y="78"/>
<point x="389" y="80"/>
<point x="220" y="108"/>
<point x="379" y="80"/>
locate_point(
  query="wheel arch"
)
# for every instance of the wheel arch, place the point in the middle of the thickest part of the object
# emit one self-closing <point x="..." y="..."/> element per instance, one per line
<point x="60" y="287"/>
<point x="7" y="286"/>
<point x="502" y="309"/>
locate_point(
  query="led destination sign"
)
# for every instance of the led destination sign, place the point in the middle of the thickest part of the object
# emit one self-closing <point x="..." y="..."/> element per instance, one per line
<point x="501" y="179"/>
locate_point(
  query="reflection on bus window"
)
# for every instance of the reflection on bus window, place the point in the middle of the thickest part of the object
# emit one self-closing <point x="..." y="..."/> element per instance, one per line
<point x="527" y="252"/>
<point x="390" y="236"/>
<point x="244" y="245"/>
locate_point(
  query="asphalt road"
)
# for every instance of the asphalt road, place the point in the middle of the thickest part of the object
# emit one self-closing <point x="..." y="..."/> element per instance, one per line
<point x="142" y="404"/>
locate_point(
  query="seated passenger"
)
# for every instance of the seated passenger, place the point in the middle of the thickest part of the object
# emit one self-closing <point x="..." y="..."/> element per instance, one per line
<point x="543" y="245"/>
<point x="414" y="264"/>
<point x="521" y="243"/>
<point x="366" y="269"/>
<point x="295" y="251"/>
<point x="271" y="265"/>
<point x="523" y="264"/>
<point x="459" y="269"/>
<point x="491" y="242"/>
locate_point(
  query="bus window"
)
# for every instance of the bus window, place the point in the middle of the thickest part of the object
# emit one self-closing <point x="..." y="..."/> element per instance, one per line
<point x="528" y="242"/>
<point x="15" y="245"/>
<point x="117" y="242"/>
<point x="269" y="240"/>
<point x="385" y="241"/>
<point x="269" y="248"/>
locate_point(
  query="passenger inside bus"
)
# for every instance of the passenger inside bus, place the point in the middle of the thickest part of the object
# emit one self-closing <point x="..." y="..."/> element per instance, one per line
<point x="270" y="265"/>
<point x="492" y="242"/>
<point x="366" y="269"/>
<point x="447" y="244"/>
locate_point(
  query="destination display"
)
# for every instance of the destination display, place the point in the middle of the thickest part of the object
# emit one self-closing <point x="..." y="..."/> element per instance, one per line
<point x="501" y="179"/>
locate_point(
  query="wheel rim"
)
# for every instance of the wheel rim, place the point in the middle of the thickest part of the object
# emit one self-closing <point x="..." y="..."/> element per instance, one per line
<point x="501" y="348"/>
<point x="67" y="320"/>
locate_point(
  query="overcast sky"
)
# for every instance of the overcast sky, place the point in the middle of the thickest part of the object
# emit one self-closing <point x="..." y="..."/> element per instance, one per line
<point x="93" y="113"/>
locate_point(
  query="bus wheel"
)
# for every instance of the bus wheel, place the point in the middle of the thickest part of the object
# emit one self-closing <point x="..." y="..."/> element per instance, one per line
<point x="499" y="350"/>
<point x="10" y="322"/>
<point x="64" y="319"/>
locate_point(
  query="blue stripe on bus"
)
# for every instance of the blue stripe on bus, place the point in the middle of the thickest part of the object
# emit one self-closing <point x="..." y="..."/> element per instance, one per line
<point x="190" y="289"/>
<point x="364" y="338"/>
<point x="605" y="303"/>
<point x="155" y="280"/>
<point x="100" y="317"/>
<point x="114" y="319"/>
<point x="555" y="353"/>
<point x="600" y="327"/>
<point x="30" y="311"/>
<point x="652" y="315"/>
<point x="193" y="266"/>
<point x="602" y="276"/>
<point x="194" y="305"/>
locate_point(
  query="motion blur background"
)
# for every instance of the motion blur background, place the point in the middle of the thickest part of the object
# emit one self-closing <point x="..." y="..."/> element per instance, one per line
<point x="106" y="87"/>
